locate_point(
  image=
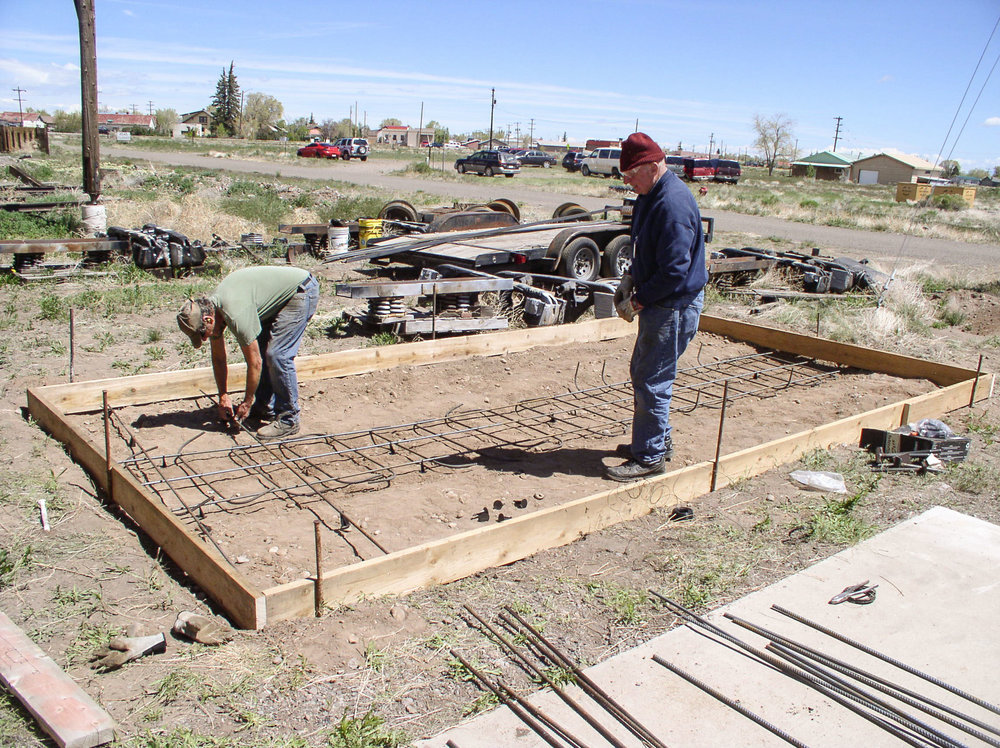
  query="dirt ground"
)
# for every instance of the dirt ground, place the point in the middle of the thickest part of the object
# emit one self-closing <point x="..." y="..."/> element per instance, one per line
<point x="295" y="683"/>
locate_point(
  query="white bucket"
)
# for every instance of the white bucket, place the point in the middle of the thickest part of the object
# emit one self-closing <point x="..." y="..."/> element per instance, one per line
<point x="95" y="219"/>
<point x="337" y="239"/>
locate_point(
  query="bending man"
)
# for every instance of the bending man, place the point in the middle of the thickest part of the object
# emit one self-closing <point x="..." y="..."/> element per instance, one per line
<point x="267" y="310"/>
<point x="668" y="282"/>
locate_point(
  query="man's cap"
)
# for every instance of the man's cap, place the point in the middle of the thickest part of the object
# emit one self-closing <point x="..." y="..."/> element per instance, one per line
<point x="639" y="149"/>
<point x="189" y="319"/>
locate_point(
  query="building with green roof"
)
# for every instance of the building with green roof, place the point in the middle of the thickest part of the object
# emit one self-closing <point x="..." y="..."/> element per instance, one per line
<point x="825" y="164"/>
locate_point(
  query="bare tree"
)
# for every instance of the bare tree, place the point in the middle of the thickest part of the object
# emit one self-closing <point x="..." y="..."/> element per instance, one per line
<point x="774" y="135"/>
<point x="165" y="121"/>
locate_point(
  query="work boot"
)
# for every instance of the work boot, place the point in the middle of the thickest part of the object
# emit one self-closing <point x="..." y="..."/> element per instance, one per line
<point x="632" y="470"/>
<point x="260" y="415"/>
<point x="277" y="430"/>
<point x="625" y="450"/>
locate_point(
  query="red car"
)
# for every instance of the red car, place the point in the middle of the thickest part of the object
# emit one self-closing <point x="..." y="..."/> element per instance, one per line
<point x="319" y="150"/>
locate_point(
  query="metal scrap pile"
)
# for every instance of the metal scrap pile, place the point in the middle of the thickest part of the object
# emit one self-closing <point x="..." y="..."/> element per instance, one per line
<point x="156" y="247"/>
<point x="817" y="273"/>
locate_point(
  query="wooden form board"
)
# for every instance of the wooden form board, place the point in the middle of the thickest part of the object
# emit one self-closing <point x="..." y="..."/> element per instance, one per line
<point x="468" y="552"/>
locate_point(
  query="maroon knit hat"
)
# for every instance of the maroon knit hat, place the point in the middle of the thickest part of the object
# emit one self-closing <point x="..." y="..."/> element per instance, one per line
<point x="637" y="149"/>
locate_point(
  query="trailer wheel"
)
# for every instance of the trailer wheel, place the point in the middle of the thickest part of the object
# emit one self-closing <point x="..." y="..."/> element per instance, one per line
<point x="618" y="256"/>
<point x="398" y="210"/>
<point x="581" y="260"/>
<point x="572" y="209"/>
<point x="503" y="205"/>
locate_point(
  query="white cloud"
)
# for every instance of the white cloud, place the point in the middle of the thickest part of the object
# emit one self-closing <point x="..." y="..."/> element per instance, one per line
<point x="40" y="75"/>
<point x="992" y="122"/>
<point x="885" y="79"/>
<point x="129" y="13"/>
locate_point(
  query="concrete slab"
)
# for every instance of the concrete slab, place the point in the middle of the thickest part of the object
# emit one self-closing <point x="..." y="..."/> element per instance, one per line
<point x="937" y="609"/>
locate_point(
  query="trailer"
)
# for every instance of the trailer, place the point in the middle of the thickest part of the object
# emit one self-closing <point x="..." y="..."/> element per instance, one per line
<point x="571" y="246"/>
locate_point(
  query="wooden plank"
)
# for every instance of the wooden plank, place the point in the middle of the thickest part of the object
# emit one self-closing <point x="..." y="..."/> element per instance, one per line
<point x="456" y="557"/>
<point x="82" y="397"/>
<point x="62" y="708"/>
<point x="243" y="602"/>
<point x="859" y="357"/>
<point x="24" y="176"/>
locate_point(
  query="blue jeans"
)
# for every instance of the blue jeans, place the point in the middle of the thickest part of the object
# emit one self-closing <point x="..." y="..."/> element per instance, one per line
<point x="279" y="339"/>
<point x="664" y="333"/>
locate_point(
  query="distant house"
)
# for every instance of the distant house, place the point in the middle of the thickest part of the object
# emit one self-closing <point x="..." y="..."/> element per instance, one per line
<point x="314" y="132"/>
<point x="559" y="146"/>
<point x="592" y="144"/>
<point x="199" y="123"/>
<point x="403" y="135"/>
<point x="487" y="145"/>
<point x="826" y="165"/>
<point x="28" y="119"/>
<point x="885" y="168"/>
<point x="107" y="122"/>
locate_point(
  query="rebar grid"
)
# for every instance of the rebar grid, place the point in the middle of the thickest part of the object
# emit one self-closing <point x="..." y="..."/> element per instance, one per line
<point x="307" y="470"/>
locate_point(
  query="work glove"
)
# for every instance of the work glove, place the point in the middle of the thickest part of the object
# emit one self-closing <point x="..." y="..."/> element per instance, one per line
<point x="623" y="298"/>
<point x="202" y="629"/>
<point x="124" y="649"/>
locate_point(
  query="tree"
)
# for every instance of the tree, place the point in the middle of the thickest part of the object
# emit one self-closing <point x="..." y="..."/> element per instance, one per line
<point x="441" y="133"/>
<point x="977" y="173"/>
<point x="298" y="128"/>
<point x="67" y="121"/>
<point x="774" y="135"/>
<point x="996" y="172"/>
<point x="391" y="122"/>
<point x="336" y="129"/>
<point x="226" y="103"/>
<point x="261" y="114"/>
<point x="165" y="121"/>
<point x="950" y="169"/>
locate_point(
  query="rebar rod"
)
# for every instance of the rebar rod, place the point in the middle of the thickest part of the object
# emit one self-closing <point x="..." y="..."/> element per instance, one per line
<point x="885" y="658"/>
<point x="206" y="533"/>
<point x="872" y="714"/>
<point x="735" y="705"/>
<point x="515" y="705"/>
<point x="867" y="699"/>
<point x="950" y="716"/>
<point x="592" y="689"/>
<point x="539" y="673"/>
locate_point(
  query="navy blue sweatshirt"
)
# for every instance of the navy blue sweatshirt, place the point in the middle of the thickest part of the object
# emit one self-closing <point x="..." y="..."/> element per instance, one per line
<point x="668" y="263"/>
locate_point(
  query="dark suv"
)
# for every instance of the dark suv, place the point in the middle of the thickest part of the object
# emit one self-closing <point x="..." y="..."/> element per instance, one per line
<point x="727" y="170"/>
<point x="572" y="160"/>
<point x="536" y="158"/>
<point x="488" y="163"/>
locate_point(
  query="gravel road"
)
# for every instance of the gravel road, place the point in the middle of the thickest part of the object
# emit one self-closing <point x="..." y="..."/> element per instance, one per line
<point x="850" y="242"/>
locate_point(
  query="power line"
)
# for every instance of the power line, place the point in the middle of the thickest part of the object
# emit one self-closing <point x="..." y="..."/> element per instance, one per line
<point x="20" y="112"/>
<point x="967" y="87"/>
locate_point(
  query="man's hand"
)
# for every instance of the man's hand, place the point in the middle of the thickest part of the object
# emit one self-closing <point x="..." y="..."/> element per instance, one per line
<point x="226" y="408"/>
<point x="243" y="409"/>
<point x="124" y="649"/>
<point x="635" y="304"/>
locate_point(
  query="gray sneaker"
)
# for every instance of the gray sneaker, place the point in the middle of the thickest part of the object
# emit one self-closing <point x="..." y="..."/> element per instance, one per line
<point x="277" y="430"/>
<point x="632" y="470"/>
<point x="625" y="450"/>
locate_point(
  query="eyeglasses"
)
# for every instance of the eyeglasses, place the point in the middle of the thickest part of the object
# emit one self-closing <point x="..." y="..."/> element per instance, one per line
<point x="633" y="172"/>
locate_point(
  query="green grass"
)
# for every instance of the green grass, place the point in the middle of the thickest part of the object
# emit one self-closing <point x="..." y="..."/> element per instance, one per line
<point x="368" y="731"/>
<point x="626" y="604"/>
<point x="350" y="208"/>
<point x="12" y="561"/>
<point x="52" y="225"/>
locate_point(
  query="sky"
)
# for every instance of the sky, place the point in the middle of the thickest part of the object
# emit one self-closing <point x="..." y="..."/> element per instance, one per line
<point x="688" y="73"/>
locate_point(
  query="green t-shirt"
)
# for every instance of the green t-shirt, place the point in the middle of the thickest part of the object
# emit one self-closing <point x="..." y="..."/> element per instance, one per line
<point x="250" y="296"/>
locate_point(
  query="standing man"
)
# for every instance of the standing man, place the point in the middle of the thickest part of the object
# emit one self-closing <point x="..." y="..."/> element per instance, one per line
<point x="668" y="290"/>
<point x="267" y="309"/>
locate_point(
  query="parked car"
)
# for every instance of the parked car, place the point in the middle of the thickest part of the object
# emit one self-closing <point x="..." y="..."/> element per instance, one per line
<point x="353" y="148"/>
<point x="699" y="169"/>
<point x="436" y="144"/>
<point x="603" y="161"/>
<point x="488" y="163"/>
<point x="572" y="160"/>
<point x="452" y="145"/>
<point x="727" y="170"/>
<point x="536" y="158"/>
<point x="676" y="165"/>
<point x="319" y="150"/>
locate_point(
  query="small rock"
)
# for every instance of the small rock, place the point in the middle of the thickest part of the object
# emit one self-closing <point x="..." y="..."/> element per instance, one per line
<point x="452" y="525"/>
<point x="398" y="612"/>
<point x="352" y="639"/>
<point x="276" y="660"/>
<point x="539" y="496"/>
<point x="242" y="560"/>
<point x="273" y="549"/>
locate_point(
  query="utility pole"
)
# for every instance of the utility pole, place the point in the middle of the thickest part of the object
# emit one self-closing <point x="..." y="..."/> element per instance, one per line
<point x="150" y="108"/>
<point x="358" y="127"/>
<point x="19" y="91"/>
<point x="493" y="103"/>
<point x="88" y="88"/>
<point x="711" y="141"/>
<point x="531" y="136"/>
<point x="421" y="126"/>
<point x="636" y="125"/>
<point x="836" y="134"/>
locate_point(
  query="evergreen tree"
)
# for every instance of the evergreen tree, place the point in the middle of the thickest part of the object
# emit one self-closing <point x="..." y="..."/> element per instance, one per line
<point x="226" y="103"/>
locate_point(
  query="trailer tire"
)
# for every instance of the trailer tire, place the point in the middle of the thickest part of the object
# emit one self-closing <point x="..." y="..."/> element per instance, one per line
<point x="617" y="256"/>
<point x="581" y="260"/>
<point x="503" y="205"/>
<point x="398" y="210"/>
<point x="572" y="209"/>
